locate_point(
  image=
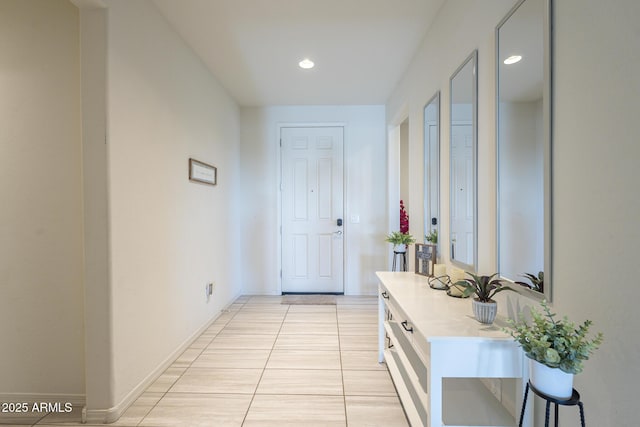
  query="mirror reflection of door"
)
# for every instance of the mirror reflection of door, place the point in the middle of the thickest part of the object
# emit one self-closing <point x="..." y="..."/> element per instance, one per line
<point x="312" y="210"/>
<point x="432" y="168"/>
<point x="462" y="202"/>
<point x="463" y="163"/>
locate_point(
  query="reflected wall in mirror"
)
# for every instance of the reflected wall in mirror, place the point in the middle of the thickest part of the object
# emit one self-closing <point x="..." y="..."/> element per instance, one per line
<point x="523" y="146"/>
<point x="432" y="171"/>
<point x="463" y="139"/>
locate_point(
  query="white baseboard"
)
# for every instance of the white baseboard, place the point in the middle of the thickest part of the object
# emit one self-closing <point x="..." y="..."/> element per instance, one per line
<point x="34" y="406"/>
<point x="106" y="416"/>
<point x="31" y="398"/>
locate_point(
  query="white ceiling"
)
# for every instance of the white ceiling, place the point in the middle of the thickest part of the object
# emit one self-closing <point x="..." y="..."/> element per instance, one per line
<point x="361" y="47"/>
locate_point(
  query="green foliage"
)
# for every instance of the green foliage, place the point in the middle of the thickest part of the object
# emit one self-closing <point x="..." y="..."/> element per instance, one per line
<point x="555" y="343"/>
<point x="398" y="238"/>
<point x="485" y="287"/>
<point x="537" y="282"/>
<point x="432" y="237"/>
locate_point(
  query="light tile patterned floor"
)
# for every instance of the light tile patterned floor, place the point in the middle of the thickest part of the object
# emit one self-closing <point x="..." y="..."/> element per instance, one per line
<point x="264" y="363"/>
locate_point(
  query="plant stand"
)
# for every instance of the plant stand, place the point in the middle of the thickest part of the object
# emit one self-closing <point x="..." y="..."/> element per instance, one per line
<point x="572" y="401"/>
<point x="402" y="256"/>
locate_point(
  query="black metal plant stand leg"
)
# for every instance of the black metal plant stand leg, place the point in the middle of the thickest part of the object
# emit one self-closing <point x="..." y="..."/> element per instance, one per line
<point x="403" y="261"/>
<point x="524" y="404"/>
<point x="572" y="401"/>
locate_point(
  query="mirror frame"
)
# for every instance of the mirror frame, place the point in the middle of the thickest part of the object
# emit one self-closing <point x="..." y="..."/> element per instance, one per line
<point x="435" y="99"/>
<point x="472" y="58"/>
<point x="547" y="117"/>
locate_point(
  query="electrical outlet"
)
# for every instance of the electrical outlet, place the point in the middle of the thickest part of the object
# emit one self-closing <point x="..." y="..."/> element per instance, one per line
<point x="208" y="290"/>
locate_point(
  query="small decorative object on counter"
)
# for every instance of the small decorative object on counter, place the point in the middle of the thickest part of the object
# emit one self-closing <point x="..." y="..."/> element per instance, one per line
<point x="440" y="279"/>
<point x="455" y="290"/>
<point x="440" y="270"/>
<point x="455" y="274"/>
<point x="485" y="287"/>
<point x="440" y="283"/>
<point x="425" y="259"/>
<point x="557" y="349"/>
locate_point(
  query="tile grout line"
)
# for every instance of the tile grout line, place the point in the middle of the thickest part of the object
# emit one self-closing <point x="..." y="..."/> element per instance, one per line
<point x="41" y="419"/>
<point x="244" y="419"/>
<point x="245" y="308"/>
<point x="344" y="393"/>
<point x="164" y="394"/>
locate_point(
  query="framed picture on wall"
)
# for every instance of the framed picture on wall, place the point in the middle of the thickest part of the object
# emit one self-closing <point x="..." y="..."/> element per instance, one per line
<point x="202" y="172"/>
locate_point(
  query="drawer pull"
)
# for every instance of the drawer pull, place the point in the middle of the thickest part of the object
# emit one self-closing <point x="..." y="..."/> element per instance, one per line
<point x="385" y="295"/>
<point x="406" y="327"/>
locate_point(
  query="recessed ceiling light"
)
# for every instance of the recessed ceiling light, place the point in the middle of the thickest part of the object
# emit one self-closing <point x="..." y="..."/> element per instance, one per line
<point x="512" y="59"/>
<point x="306" y="63"/>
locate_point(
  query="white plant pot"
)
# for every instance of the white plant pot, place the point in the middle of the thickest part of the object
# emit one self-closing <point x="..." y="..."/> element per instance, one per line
<point x="485" y="312"/>
<point x="551" y="381"/>
<point x="400" y="248"/>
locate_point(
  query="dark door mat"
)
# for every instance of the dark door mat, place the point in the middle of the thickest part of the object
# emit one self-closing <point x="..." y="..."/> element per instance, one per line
<point x="309" y="299"/>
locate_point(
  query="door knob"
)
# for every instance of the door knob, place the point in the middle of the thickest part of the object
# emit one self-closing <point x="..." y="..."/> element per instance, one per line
<point x="339" y="232"/>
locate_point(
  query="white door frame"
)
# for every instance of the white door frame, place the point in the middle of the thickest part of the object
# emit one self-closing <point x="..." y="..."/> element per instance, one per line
<point x="393" y="174"/>
<point x="345" y="228"/>
<point x="393" y="185"/>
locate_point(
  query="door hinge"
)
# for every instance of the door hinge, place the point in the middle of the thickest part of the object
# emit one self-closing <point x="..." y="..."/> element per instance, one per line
<point x="281" y="274"/>
<point x="280" y="142"/>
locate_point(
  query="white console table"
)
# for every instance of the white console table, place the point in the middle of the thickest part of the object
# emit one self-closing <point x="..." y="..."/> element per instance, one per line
<point x="449" y="369"/>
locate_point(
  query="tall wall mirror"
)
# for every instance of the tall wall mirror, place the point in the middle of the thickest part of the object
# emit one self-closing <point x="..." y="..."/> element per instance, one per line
<point x="523" y="83"/>
<point x="463" y="168"/>
<point x="432" y="171"/>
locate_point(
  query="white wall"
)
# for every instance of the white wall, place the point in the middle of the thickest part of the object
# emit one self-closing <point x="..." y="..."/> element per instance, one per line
<point x="41" y="298"/>
<point x="404" y="167"/>
<point x="168" y="237"/>
<point x="365" y="195"/>
<point x="595" y="194"/>
<point x="595" y="155"/>
<point x="152" y="239"/>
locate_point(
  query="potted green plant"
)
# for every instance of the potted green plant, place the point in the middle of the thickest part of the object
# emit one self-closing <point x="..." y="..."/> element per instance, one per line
<point x="557" y="349"/>
<point x="400" y="240"/>
<point x="485" y="287"/>
<point x="537" y="282"/>
<point x="432" y="237"/>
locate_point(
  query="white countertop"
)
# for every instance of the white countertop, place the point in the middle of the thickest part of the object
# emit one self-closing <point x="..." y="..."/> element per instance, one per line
<point x="433" y="313"/>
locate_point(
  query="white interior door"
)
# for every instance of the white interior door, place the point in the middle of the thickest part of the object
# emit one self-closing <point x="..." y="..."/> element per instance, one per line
<point x="312" y="208"/>
<point x="462" y="208"/>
